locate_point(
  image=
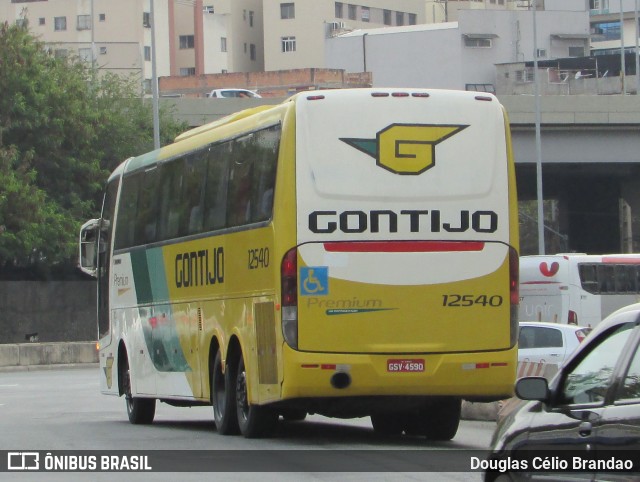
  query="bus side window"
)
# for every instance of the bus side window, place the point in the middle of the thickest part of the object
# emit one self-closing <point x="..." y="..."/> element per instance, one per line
<point x="266" y="154"/>
<point x="146" y="212"/>
<point x="215" y="198"/>
<point x="125" y="232"/>
<point x="193" y="193"/>
<point x="240" y="179"/>
<point x="170" y="196"/>
<point x="589" y="277"/>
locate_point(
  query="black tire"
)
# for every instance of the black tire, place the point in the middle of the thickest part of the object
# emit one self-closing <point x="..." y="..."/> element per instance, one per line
<point x="293" y="414"/>
<point x="140" y="411"/>
<point x="223" y="397"/>
<point x="254" y="420"/>
<point x="439" y="420"/>
<point x="388" y="423"/>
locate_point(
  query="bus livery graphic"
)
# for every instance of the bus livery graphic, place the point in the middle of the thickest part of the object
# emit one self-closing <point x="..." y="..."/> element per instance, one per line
<point x="405" y="148"/>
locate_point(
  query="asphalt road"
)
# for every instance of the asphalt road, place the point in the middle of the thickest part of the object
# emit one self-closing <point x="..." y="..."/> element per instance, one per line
<point x="63" y="410"/>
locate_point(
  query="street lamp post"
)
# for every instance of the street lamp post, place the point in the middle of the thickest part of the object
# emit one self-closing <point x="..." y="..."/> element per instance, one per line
<point x="536" y="82"/>
<point x="154" y="81"/>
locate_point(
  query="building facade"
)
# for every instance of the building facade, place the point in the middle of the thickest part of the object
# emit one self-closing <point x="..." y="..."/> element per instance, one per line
<point x="294" y="32"/>
<point x="459" y="55"/>
<point x="191" y="38"/>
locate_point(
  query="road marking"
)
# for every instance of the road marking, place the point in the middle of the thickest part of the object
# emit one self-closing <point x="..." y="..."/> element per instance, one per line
<point x="7" y="386"/>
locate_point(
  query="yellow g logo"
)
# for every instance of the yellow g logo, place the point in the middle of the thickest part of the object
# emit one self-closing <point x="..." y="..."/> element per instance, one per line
<point x="405" y="148"/>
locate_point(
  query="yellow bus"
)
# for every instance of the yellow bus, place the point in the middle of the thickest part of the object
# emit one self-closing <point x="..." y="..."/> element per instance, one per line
<point x="347" y="253"/>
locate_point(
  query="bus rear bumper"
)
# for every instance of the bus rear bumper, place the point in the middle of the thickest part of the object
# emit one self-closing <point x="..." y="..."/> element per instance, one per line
<point x="487" y="375"/>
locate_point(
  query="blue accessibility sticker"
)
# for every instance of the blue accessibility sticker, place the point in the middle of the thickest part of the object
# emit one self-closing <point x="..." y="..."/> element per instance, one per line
<point x="314" y="281"/>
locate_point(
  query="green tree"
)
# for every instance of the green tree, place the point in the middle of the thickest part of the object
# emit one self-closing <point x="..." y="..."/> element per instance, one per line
<point x="63" y="128"/>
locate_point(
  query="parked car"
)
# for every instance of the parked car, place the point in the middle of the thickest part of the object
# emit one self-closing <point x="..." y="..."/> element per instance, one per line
<point x="233" y="93"/>
<point x="545" y="342"/>
<point x="591" y="407"/>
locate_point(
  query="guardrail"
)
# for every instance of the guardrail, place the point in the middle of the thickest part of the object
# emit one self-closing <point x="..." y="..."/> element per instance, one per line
<point x="35" y="354"/>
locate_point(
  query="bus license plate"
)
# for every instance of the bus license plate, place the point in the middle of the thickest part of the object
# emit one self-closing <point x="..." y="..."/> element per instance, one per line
<point x="403" y="366"/>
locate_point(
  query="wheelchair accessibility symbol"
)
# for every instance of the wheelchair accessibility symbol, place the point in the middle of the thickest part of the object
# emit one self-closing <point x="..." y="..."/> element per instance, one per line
<point x="314" y="281"/>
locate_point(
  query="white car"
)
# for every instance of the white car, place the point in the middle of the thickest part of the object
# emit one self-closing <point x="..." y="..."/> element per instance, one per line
<point x="233" y="93"/>
<point x="542" y="342"/>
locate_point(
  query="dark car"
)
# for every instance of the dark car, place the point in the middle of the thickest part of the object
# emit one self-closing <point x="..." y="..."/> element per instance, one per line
<point x="585" y="423"/>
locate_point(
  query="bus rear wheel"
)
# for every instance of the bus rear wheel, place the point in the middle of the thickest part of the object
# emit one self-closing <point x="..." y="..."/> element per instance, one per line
<point x="388" y="423"/>
<point x="438" y="420"/>
<point x="222" y="397"/>
<point x="254" y="420"/>
<point x="140" y="411"/>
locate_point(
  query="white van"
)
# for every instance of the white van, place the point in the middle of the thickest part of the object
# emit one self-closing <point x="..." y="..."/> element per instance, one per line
<point x="578" y="289"/>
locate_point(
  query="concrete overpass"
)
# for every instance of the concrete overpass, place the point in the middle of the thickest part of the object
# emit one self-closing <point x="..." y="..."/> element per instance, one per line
<point x="591" y="165"/>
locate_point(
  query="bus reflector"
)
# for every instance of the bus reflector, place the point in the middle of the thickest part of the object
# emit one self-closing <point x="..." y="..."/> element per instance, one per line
<point x="315" y="97"/>
<point x="380" y="94"/>
<point x="400" y="94"/>
<point x="484" y="97"/>
<point x="289" y="293"/>
<point x="420" y="94"/>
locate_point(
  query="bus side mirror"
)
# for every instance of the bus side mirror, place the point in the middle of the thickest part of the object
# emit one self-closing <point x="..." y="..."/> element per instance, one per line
<point x="88" y="260"/>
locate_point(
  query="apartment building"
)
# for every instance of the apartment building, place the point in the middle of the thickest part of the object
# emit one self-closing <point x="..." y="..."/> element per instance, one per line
<point x="191" y="36"/>
<point x="294" y="31"/>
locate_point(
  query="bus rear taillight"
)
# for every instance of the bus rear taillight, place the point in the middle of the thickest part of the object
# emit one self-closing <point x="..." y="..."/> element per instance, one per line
<point x="514" y="293"/>
<point x="289" y="277"/>
<point x="572" y="318"/>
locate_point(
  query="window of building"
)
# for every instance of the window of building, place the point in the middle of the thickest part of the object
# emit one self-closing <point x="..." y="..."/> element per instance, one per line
<point x="399" y="18"/>
<point x="186" y="41"/>
<point x="102" y="17"/>
<point x="21" y="22"/>
<point x="605" y="31"/>
<point x="287" y="10"/>
<point x="386" y="17"/>
<point x="85" y="55"/>
<point x="223" y="44"/>
<point x="250" y="18"/>
<point x="473" y="42"/>
<point x="147" y="53"/>
<point x="413" y="19"/>
<point x="245" y="47"/>
<point x="103" y="50"/>
<point x="365" y="13"/>
<point x="352" y="12"/>
<point x="599" y="5"/>
<point x="59" y="23"/>
<point x="146" y="19"/>
<point x="185" y="72"/>
<point x="576" y="52"/>
<point x="288" y="44"/>
<point x="84" y="22"/>
<point x="41" y="21"/>
<point x="524" y="75"/>
<point x="339" y="10"/>
<point x="542" y="53"/>
<point x="252" y="51"/>
<point x="61" y="53"/>
<point x="208" y="9"/>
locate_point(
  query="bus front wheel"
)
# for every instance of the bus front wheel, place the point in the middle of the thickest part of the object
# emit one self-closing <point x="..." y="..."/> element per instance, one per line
<point x="222" y="397"/>
<point x="140" y="411"/>
<point x="254" y="420"/>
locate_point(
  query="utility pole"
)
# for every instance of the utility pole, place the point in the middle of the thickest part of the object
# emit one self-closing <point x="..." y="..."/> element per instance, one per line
<point x="154" y="82"/>
<point x="536" y="82"/>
